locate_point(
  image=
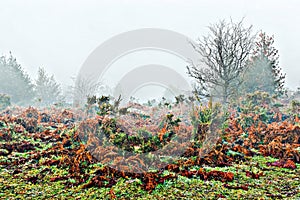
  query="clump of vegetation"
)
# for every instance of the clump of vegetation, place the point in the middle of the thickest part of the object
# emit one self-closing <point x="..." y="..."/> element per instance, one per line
<point x="119" y="126"/>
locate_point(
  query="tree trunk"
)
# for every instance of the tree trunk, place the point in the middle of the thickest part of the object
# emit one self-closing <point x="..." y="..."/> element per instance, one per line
<point x="225" y="94"/>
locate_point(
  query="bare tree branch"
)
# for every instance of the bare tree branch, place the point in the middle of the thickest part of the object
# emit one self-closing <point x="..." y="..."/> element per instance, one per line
<point x="225" y="52"/>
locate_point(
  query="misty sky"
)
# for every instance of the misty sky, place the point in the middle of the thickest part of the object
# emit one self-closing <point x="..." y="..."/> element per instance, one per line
<point x="59" y="35"/>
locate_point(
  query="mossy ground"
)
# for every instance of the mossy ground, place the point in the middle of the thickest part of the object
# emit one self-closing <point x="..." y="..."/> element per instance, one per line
<point x="275" y="183"/>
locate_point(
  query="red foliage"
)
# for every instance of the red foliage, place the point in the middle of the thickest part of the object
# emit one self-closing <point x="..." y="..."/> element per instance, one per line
<point x="289" y="164"/>
<point x="254" y="175"/>
<point x="242" y="187"/>
<point x="278" y="139"/>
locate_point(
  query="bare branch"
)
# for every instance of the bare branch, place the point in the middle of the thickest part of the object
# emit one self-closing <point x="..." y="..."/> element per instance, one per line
<point x="225" y="52"/>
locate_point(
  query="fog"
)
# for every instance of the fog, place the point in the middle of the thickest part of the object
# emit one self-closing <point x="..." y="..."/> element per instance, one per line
<point x="60" y="35"/>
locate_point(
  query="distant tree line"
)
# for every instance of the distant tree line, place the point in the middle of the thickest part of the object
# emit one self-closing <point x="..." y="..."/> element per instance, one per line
<point x="233" y="62"/>
<point x="22" y="90"/>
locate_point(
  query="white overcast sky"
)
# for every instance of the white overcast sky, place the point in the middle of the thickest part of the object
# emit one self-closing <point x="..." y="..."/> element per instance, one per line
<point x="59" y="34"/>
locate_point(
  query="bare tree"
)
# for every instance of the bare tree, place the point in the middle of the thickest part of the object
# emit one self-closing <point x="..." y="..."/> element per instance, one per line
<point x="225" y="52"/>
<point x="84" y="88"/>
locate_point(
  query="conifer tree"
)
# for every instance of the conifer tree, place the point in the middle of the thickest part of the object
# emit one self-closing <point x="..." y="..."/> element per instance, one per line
<point x="264" y="72"/>
<point x="15" y="82"/>
<point x="47" y="89"/>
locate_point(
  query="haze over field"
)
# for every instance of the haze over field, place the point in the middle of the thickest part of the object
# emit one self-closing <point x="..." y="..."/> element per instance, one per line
<point x="60" y="35"/>
<point x="149" y="99"/>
